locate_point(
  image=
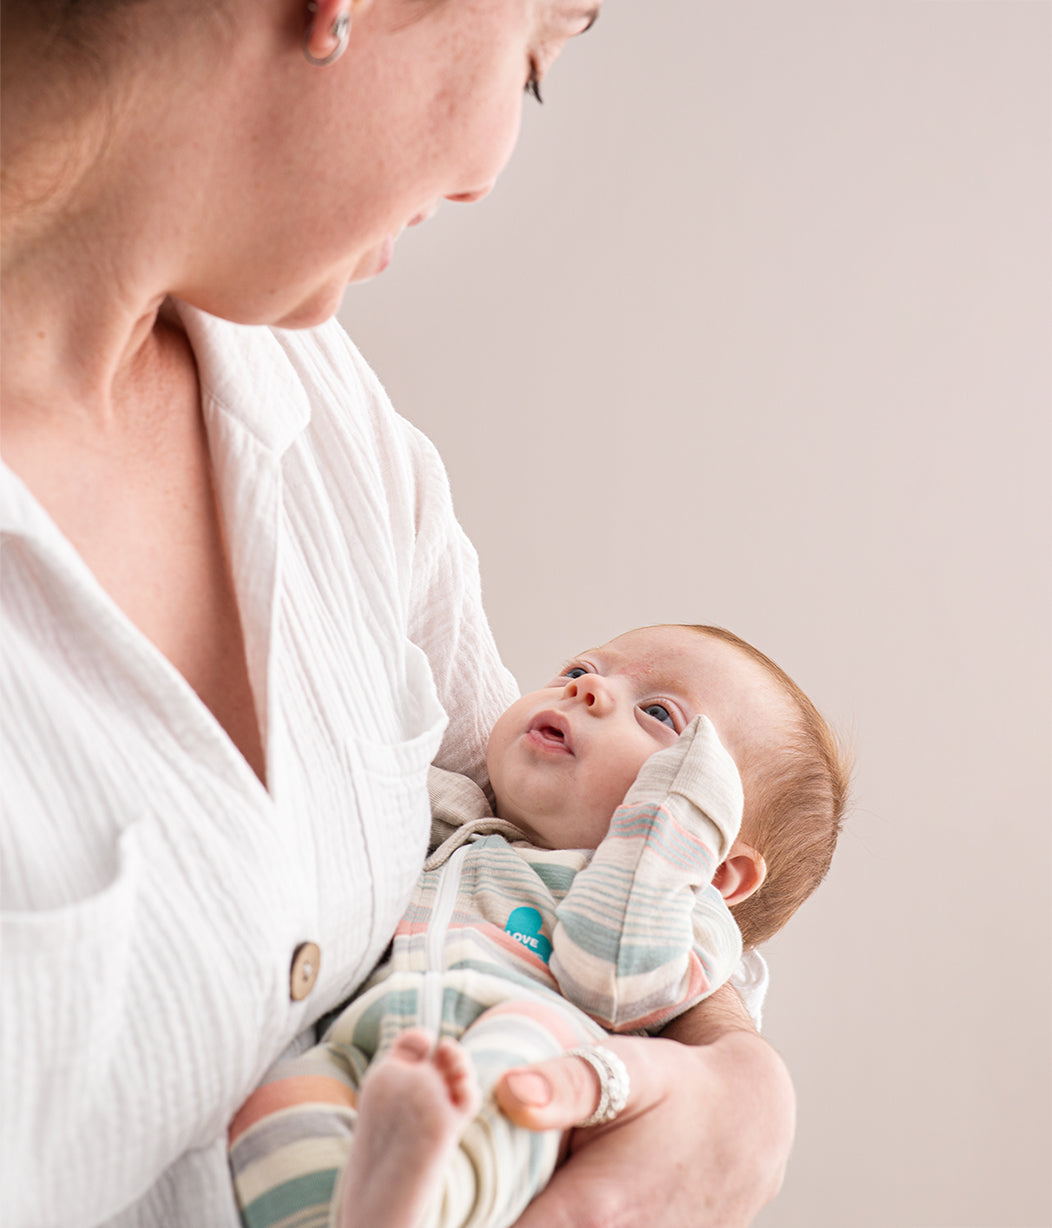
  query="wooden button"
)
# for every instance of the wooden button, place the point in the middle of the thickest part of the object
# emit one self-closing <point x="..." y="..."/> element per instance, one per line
<point x="306" y="959"/>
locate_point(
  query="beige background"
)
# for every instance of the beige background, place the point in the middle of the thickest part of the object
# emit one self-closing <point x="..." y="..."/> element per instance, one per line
<point x="755" y="331"/>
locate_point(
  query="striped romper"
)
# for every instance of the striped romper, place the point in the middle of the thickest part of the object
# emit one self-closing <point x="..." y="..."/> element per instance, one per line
<point x="521" y="953"/>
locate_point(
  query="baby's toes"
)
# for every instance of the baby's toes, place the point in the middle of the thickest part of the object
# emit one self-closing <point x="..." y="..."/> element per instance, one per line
<point x="413" y="1045"/>
<point x="456" y="1067"/>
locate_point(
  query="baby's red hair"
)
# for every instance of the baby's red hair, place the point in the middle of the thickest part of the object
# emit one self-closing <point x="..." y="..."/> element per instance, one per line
<point x="795" y="798"/>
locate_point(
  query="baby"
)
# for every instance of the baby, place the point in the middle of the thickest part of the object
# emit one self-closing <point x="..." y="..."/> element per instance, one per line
<point x="711" y="791"/>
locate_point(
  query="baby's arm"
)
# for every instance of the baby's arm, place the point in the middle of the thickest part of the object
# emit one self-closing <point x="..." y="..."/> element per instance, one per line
<point x="642" y="933"/>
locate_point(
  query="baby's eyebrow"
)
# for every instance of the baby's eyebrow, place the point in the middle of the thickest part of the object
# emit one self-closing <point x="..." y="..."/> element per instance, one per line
<point x="576" y="659"/>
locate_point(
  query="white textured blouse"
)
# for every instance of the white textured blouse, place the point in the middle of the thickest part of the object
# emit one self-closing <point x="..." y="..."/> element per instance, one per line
<point x="153" y="892"/>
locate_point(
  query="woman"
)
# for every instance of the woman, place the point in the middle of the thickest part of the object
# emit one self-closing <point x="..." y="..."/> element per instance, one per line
<point x="238" y="605"/>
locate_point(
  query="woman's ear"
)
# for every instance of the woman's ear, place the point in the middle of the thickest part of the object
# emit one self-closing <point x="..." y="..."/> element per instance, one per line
<point x="741" y="874"/>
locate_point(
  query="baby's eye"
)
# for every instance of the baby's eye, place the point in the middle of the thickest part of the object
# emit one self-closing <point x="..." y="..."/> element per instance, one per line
<point x="660" y="713"/>
<point x="575" y="671"/>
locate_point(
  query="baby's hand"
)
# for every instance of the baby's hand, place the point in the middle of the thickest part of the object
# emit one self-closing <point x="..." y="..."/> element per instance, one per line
<point x="699" y="768"/>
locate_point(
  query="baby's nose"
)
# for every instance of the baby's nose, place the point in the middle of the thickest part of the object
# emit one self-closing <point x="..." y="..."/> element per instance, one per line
<point x="590" y="690"/>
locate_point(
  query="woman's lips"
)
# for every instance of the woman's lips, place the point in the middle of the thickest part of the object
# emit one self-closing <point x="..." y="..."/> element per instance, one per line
<point x="550" y="731"/>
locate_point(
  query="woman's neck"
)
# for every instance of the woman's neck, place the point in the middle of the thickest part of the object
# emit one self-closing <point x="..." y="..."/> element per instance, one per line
<point x="104" y="216"/>
<point x="71" y="340"/>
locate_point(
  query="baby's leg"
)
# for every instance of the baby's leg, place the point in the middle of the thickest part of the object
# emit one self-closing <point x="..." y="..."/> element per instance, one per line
<point x="499" y="1167"/>
<point x="290" y="1140"/>
<point x="299" y="1132"/>
<point x="412" y="1109"/>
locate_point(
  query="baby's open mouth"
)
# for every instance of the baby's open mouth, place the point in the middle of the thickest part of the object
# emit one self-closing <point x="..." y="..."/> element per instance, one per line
<point x="551" y="730"/>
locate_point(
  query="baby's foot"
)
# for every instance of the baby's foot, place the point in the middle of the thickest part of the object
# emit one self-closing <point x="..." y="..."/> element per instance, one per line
<point x="413" y="1107"/>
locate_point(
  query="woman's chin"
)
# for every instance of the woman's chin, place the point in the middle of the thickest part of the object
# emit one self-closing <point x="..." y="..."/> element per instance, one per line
<point x="374" y="261"/>
<point x="313" y="311"/>
<point x="320" y="304"/>
<point x="324" y="303"/>
<point x="307" y="308"/>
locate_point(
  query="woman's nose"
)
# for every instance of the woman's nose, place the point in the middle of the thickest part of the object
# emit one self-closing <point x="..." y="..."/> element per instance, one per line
<point x="590" y="690"/>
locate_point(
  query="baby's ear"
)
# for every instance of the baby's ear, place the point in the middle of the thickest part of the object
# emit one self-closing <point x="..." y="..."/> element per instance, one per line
<point x="741" y="874"/>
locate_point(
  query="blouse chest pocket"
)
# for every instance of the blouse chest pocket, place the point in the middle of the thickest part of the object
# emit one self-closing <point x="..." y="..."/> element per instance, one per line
<point x="73" y="981"/>
<point x="72" y="962"/>
<point x="385" y="824"/>
<point x="393" y="825"/>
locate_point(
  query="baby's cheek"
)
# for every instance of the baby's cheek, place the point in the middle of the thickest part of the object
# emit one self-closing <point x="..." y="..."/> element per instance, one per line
<point x="615" y="784"/>
<point x="622" y="768"/>
<point x="497" y="746"/>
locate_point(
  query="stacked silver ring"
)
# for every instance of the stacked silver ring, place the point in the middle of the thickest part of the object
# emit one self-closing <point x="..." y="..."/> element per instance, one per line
<point x="614" y="1082"/>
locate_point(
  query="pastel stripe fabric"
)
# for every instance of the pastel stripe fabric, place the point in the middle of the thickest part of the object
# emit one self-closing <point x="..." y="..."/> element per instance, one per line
<point x="642" y="934"/>
<point x="521" y="953"/>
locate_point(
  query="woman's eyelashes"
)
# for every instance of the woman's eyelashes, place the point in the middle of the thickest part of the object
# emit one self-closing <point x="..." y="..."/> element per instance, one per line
<point x="533" y="81"/>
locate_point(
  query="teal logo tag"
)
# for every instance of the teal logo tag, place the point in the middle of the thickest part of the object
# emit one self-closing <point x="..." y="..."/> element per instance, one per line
<point x="524" y="925"/>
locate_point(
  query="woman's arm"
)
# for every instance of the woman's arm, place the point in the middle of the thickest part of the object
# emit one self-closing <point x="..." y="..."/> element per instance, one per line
<point x="704" y="1139"/>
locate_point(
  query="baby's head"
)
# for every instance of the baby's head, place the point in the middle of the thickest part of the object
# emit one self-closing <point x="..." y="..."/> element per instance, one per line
<point x="561" y="759"/>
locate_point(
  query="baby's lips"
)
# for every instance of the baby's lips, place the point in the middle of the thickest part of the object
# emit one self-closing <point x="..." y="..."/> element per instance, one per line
<point x="553" y="727"/>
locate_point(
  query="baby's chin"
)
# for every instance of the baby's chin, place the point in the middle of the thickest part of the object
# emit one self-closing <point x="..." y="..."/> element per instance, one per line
<point x="526" y="830"/>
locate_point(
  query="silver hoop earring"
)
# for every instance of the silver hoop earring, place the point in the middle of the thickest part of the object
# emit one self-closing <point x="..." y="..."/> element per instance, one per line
<point x="340" y="32"/>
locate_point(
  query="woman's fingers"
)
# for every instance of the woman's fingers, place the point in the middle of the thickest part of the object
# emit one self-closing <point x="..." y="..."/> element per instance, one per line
<point x="702" y="1142"/>
<point x="559" y="1093"/>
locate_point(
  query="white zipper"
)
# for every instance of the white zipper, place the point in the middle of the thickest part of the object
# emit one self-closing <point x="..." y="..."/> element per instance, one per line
<point x="433" y="988"/>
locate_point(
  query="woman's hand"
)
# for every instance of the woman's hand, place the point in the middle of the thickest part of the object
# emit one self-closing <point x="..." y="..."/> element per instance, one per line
<point x="703" y="1141"/>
